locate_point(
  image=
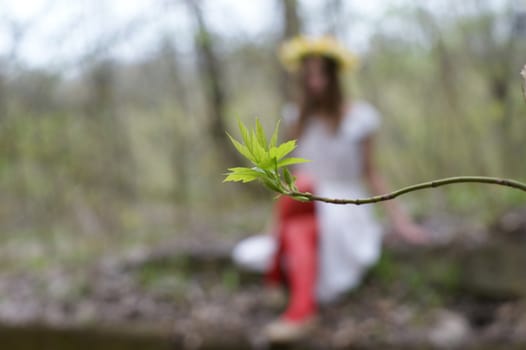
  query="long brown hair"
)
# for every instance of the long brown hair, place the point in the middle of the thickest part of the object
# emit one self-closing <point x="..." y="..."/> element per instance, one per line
<point x="329" y="105"/>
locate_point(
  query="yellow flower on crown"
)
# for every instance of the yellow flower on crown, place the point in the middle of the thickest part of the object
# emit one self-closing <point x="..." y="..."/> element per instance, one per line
<point x="293" y="51"/>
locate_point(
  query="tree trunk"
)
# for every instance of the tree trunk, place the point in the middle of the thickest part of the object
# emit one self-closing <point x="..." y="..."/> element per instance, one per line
<point x="181" y="140"/>
<point x="117" y="160"/>
<point x="3" y="98"/>
<point x="292" y="26"/>
<point x="212" y="79"/>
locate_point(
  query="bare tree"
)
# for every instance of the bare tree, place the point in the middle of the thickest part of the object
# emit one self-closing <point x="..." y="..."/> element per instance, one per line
<point x="3" y="95"/>
<point x="101" y="81"/>
<point x="17" y="32"/>
<point x="212" y="78"/>
<point x="181" y="140"/>
<point x="292" y="26"/>
<point x="498" y="58"/>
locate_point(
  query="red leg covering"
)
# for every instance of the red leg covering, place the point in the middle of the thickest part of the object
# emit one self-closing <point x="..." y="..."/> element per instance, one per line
<point x="301" y="251"/>
<point x="287" y="208"/>
<point x="297" y="246"/>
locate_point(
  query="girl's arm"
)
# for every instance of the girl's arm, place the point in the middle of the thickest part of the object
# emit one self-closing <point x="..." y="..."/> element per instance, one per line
<point x="403" y="225"/>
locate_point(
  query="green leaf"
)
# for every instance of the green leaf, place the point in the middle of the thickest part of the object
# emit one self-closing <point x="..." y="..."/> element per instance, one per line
<point x="289" y="180"/>
<point x="262" y="138"/>
<point x="244" y="133"/>
<point x="302" y="198"/>
<point x="242" y="174"/>
<point x="260" y="154"/>
<point x="271" y="185"/>
<point x="267" y="163"/>
<point x="283" y="149"/>
<point x="259" y="170"/>
<point x="244" y="170"/>
<point x="239" y="178"/>
<point x="268" y="158"/>
<point x="291" y="161"/>
<point x="274" y="139"/>
<point x="242" y="149"/>
<point x="250" y="142"/>
<point x="293" y="187"/>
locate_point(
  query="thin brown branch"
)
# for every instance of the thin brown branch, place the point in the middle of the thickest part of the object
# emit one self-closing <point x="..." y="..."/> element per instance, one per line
<point x="431" y="184"/>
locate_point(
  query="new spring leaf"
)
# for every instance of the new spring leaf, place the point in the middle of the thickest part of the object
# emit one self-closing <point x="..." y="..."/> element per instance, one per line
<point x="267" y="158"/>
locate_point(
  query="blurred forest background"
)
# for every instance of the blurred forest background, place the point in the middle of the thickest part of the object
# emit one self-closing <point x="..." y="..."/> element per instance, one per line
<point x="112" y="153"/>
<point x="113" y="113"/>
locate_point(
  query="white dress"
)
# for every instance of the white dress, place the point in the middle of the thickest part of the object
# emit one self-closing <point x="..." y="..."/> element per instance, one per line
<point x="349" y="236"/>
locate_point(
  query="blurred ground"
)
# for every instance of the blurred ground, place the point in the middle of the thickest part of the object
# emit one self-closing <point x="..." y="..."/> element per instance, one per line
<point x="467" y="290"/>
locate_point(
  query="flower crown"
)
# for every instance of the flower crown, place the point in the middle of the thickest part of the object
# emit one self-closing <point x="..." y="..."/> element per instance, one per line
<point x="293" y="51"/>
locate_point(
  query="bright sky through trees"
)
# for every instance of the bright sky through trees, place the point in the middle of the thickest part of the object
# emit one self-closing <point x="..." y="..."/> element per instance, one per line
<point x="51" y="31"/>
<point x="54" y="32"/>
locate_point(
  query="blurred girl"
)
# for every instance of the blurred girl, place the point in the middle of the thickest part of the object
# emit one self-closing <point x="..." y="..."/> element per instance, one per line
<point x="319" y="250"/>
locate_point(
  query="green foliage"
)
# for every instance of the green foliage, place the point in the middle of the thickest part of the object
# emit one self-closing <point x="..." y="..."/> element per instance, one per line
<point x="267" y="157"/>
<point x="270" y="168"/>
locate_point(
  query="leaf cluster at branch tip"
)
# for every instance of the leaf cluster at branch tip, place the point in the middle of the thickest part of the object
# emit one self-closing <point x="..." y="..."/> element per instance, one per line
<point x="270" y="164"/>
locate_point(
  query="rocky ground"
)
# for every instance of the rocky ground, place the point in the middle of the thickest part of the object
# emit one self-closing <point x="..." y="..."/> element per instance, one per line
<point x="467" y="290"/>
